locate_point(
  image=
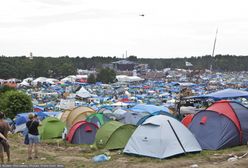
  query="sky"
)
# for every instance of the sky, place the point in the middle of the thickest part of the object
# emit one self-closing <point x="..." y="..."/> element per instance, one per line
<point x="169" y="28"/>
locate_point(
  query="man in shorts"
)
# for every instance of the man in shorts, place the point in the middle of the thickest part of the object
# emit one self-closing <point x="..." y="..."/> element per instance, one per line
<point x="33" y="135"/>
<point x="4" y="145"/>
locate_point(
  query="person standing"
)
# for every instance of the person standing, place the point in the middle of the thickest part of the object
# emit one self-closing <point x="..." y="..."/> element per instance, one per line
<point x="33" y="135"/>
<point x="4" y="145"/>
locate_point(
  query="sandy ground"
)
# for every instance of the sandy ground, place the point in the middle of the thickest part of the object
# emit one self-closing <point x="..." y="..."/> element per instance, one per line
<point x="56" y="152"/>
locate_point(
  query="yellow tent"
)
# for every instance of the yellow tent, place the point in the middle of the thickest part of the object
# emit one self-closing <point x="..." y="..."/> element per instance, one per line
<point x="78" y="114"/>
<point x="65" y="115"/>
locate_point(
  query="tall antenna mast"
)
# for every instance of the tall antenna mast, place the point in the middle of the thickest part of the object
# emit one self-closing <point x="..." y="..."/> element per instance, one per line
<point x="215" y="42"/>
<point x="215" y="39"/>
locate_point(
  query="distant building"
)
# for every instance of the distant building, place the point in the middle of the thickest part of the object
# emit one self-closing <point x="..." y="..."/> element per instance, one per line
<point x="124" y="65"/>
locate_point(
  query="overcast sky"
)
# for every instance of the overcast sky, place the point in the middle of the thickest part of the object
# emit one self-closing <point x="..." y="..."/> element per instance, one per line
<point x="170" y="28"/>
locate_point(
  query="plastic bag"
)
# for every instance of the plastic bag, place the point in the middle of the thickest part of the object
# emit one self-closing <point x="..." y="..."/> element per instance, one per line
<point x="100" y="158"/>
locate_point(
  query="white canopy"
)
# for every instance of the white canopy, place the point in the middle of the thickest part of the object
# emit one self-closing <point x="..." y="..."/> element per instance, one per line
<point x="124" y="78"/>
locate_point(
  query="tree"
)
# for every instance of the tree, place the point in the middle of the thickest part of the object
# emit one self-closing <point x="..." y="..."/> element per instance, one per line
<point x="106" y="75"/>
<point x="15" y="102"/>
<point x="132" y="58"/>
<point x="91" y="79"/>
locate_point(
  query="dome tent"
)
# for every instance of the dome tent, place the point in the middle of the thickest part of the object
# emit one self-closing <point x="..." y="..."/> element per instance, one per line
<point x="113" y="135"/>
<point x="187" y="119"/>
<point x="51" y="127"/>
<point x="143" y="119"/>
<point x="65" y="115"/>
<point x="78" y="114"/>
<point x="131" y="117"/>
<point x="223" y="124"/>
<point x="97" y="118"/>
<point x="82" y="133"/>
<point x="160" y="137"/>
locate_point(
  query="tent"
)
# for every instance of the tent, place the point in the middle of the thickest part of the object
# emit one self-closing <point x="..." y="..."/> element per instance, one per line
<point x="97" y="118"/>
<point x="131" y="117"/>
<point x="22" y="118"/>
<point x="143" y="119"/>
<point x="82" y="132"/>
<point x="160" y="137"/>
<point x="78" y="114"/>
<point x="113" y="135"/>
<point x="187" y="119"/>
<point x="83" y="93"/>
<point x="148" y="108"/>
<point x="65" y="115"/>
<point x="224" y="94"/>
<point x="223" y="124"/>
<point x="51" y="127"/>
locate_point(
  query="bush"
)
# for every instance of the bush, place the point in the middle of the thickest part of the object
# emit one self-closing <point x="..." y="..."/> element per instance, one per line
<point x="15" y="102"/>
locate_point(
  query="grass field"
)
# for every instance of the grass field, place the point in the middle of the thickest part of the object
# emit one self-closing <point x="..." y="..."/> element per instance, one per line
<point x="57" y="152"/>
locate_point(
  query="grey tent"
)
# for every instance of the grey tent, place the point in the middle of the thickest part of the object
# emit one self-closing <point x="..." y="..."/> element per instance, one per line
<point x="161" y="136"/>
<point x="82" y="132"/>
<point x="132" y="117"/>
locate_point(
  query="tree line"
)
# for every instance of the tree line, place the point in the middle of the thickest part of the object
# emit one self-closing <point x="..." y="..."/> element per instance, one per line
<point x="23" y="67"/>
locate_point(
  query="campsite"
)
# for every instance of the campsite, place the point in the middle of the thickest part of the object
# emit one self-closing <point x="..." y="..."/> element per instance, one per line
<point x="123" y="84"/>
<point x="133" y="122"/>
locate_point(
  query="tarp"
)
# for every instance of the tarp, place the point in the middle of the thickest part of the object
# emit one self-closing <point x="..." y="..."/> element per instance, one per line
<point x="222" y="94"/>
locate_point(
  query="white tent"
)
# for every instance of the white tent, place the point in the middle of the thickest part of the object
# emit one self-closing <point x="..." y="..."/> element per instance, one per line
<point x="83" y="93"/>
<point x="70" y="78"/>
<point x="161" y="136"/>
<point x="40" y="79"/>
<point x="26" y="82"/>
<point x="51" y="80"/>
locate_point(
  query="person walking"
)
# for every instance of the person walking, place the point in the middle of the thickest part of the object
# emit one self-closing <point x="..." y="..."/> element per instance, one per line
<point x="4" y="145"/>
<point x="33" y="135"/>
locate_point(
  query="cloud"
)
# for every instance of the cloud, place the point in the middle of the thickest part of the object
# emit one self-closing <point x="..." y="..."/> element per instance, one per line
<point x="81" y="15"/>
<point x="53" y="2"/>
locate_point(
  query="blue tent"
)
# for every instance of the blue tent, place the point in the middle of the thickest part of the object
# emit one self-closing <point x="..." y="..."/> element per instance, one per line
<point x="223" y="94"/>
<point x="23" y="117"/>
<point x="153" y="114"/>
<point x="148" y="108"/>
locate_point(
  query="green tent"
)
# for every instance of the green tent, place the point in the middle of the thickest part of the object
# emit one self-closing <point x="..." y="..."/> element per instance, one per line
<point x="51" y="127"/>
<point x="97" y="118"/>
<point x="113" y="135"/>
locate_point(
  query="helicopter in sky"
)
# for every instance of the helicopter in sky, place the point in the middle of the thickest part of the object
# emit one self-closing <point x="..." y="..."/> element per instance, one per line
<point x="142" y="15"/>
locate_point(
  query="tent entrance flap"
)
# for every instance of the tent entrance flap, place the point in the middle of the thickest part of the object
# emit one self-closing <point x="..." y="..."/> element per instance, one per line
<point x="177" y="136"/>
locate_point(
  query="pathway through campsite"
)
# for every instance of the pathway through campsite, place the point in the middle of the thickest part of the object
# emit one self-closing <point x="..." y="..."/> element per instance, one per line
<point x="56" y="152"/>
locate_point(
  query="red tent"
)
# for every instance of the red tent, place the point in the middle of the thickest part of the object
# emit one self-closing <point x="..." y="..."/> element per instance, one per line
<point x="187" y="119"/>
